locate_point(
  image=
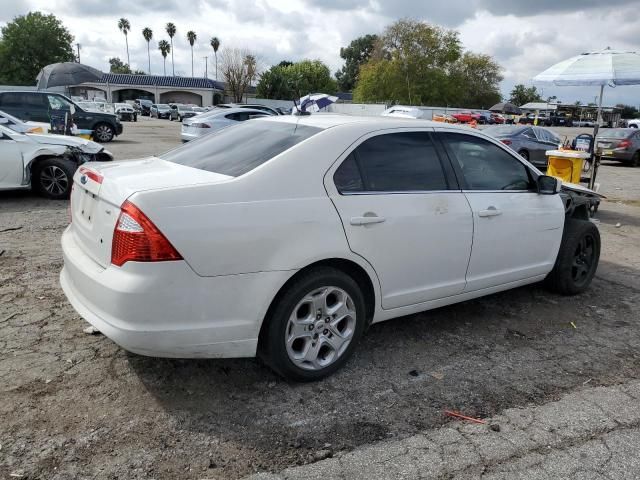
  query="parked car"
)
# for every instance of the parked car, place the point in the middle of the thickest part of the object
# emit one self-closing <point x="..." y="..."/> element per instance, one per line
<point x="287" y="236"/>
<point x="254" y="106"/>
<point x="145" y="106"/>
<point x="622" y="144"/>
<point x="584" y="123"/>
<point x="39" y="106"/>
<point x="209" y="122"/>
<point x="124" y="111"/>
<point x="498" y="119"/>
<point x="198" y="110"/>
<point x="44" y="163"/>
<point x="182" y="111"/>
<point x="466" y="117"/>
<point x="529" y="119"/>
<point x="19" y="126"/>
<point x="560" y="119"/>
<point x="531" y="143"/>
<point x="400" y="111"/>
<point x="161" y="110"/>
<point x="485" y="118"/>
<point x="634" y="123"/>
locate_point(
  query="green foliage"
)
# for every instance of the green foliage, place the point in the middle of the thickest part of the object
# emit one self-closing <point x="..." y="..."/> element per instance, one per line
<point x="521" y="95"/>
<point x="355" y="54"/>
<point x="287" y="80"/>
<point x="628" y="111"/>
<point x="30" y="42"/>
<point x="118" y="66"/>
<point x="421" y="64"/>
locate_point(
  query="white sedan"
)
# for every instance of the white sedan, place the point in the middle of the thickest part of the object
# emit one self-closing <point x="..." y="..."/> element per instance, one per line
<point x="215" y="119"/>
<point x="287" y="236"/>
<point x="44" y="163"/>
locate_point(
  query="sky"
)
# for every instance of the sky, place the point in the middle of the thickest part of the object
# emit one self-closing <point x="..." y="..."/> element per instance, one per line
<point x="525" y="37"/>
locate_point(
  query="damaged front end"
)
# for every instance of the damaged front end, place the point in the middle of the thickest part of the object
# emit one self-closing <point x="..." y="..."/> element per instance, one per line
<point x="82" y="155"/>
<point x="579" y="202"/>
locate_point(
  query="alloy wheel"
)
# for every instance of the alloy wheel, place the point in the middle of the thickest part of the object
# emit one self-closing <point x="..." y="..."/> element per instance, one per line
<point x="320" y="328"/>
<point x="103" y="133"/>
<point x="583" y="259"/>
<point x="54" y="180"/>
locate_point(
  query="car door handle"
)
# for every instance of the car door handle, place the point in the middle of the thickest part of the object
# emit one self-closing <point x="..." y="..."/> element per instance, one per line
<point x="357" y="221"/>
<point x="490" y="212"/>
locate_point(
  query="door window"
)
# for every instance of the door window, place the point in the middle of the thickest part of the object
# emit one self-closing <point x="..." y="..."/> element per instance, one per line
<point x="395" y="162"/>
<point x="486" y="166"/>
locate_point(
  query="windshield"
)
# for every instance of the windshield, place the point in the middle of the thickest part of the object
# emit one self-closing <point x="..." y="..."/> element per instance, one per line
<point x="185" y="109"/>
<point x="502" y="131"/>
<point x="240" y="148"/>
<point x="163" y="107"/>
<point x="617" y="133"/>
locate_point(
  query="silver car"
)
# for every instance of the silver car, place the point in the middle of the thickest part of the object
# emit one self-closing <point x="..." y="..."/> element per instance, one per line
<point x="216" y="119"/>
<point x="532" y="143"/>
<point x="622" y="144"/>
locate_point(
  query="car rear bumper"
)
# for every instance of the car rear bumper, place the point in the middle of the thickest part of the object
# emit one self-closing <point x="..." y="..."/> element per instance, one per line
<point x="165" y="309"/>
<point x="622" y="156"/>
<point x="186" y="137"/>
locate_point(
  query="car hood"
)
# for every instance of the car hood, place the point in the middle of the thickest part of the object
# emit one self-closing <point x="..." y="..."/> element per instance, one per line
<point x="580" y="189"/>
<point x="85" y="145"/>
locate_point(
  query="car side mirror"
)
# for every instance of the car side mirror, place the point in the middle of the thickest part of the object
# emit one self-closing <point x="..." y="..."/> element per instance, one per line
<point x="548" y="185"/>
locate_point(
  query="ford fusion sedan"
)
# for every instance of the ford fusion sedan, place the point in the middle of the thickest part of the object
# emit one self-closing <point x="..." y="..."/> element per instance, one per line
<point x="216" y="119"/>
<point x="622" y="144"/>
<point x="532" y="143"/>
<point x="286" y="237"/>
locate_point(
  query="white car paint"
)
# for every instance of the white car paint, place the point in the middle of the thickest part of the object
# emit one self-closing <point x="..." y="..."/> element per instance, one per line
<point x="19" y="126"/>
<point x="242" y="237"/>
<point x="19" y="150"/>
<point x="209" y="122"/>
<point x="400" y="111"/>
<point x="635" y="123"/>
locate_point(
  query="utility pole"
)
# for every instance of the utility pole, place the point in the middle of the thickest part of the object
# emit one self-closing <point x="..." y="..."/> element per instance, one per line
<point x="206" y="67"/>
<point x="78" y="46"/>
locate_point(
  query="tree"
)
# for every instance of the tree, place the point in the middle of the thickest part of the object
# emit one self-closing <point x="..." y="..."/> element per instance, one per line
<point x="125" y="26"/>
<point x="475" y="79"/>
<point x="521" y="95"/>
<point x="411" y="63"/>
<point x="191" y="37"/>
<point x="215" y="44"/>
<point x="118" y="66"/>
<point x="30" y="42"/>
<point x="355" y="54"/>
<point x="238" y="68"/>
<point x="147" y="33"/>
<point x="287" y="80"/>
<point x="628" y="111"/>
<point x="164" y="48"/>
<point x="171" y="31"/>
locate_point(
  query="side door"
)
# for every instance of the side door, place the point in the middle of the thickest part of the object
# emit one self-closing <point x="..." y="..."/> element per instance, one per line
<point x="11" y="164"/>
<point x="517" y="232"/>
<point x="403" y="212"/>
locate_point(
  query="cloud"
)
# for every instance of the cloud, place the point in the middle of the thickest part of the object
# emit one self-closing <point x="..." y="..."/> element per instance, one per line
<point x="12" y="9"/>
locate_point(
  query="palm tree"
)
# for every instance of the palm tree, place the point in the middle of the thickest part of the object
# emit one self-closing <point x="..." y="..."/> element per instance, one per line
<point x="215" y="44"/>
<point x="171" y="31"/>
<point x="147" y="33"/>
<point x="125" y="26"/>
<point x="164" y="48"/>
<point x="191" y="36"/>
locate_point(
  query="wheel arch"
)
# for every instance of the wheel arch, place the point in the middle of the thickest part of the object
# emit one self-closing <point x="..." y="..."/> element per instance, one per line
<point x="350" y="267"/>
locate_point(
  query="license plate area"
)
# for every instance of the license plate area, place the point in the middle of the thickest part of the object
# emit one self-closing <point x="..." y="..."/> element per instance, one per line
<point x="85" y="205"/>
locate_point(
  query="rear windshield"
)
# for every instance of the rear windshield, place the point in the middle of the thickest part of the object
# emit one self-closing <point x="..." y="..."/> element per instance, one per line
<point x="240" y="148"/>
<point x="621" y="133"/>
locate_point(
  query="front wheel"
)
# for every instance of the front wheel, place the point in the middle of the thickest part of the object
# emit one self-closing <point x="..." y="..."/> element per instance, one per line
<point x="315" y="326"/>
<point x="577" y="259"/>
<point x="524" y="154"/>
<point x="53" y="178"/>
<point x="103" y="133"/>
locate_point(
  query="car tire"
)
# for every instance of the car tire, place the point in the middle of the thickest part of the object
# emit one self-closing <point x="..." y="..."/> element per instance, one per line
<point x="524" y="154"/>
<point x="635" y="160"/>
<point x="577" y="259"/>
<point x="103" y="133"/>
<point x="53" y="178"/>
<point x="314" y="326"/>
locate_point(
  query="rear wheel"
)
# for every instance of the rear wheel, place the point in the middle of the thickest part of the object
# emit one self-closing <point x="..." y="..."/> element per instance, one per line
<point x="635" y="160"/>
<point x="577" y="259"/>
<point x="315" y="325"/>
<point x="524" y="154"/>
<point x="53" y="178"/>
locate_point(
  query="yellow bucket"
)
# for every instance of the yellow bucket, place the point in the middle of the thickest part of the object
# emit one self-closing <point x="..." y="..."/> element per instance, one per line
<point x="566" y="164"/>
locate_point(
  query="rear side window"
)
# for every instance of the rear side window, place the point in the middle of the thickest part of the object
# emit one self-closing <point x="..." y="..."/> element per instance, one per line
<point x="240" y="148"/>
<point x="486" y="166"/>
<point x="395" y="162"/>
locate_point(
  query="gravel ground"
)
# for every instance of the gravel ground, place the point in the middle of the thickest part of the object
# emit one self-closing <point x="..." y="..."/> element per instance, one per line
<point x="74" y="405"/>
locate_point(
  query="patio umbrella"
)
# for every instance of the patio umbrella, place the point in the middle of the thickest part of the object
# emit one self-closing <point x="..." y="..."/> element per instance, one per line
<point x="506" y="107"/>
<point x="316" y="101"/>
<point x="604" y="67"/>
<point x="64" y="74"/>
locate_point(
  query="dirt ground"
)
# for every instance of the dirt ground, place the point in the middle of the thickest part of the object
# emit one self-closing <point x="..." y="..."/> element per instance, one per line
<point x="74" y="405"/>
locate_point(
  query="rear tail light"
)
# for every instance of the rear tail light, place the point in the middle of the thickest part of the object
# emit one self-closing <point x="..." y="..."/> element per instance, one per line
<point x="95" y="176"/>
<point x="624" y="144"/>
<point x="506" y="142"/>
<point x="199" y="125"/>
<point x="137" y="239"/>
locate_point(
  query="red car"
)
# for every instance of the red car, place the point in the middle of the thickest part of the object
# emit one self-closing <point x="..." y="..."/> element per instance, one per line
<point x="466" y="117"/>
<point x="497" y="118"/>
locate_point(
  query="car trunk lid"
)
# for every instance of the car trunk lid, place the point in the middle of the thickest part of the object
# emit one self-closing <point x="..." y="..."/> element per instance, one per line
<point x="100" y="188"/>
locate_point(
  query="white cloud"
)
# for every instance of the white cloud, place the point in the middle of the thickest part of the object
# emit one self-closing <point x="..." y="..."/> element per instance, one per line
<point x="524" y="37"/>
